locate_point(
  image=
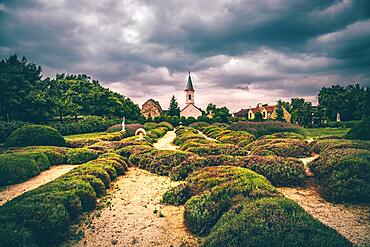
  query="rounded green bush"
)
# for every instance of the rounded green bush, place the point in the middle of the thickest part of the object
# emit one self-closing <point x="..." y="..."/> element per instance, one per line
<point x="15" y="168"/>
<point x="80" y="155"/>
<point x="360" y="131"/>
<point x="272" y="222"/>
<point x="35" y="135"/>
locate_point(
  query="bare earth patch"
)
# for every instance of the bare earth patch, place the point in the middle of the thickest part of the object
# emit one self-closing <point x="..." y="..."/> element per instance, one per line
<point x="165" y="143"/>
<point x="351" y="221"/>
<point x="135" y="216"/>
<point x="9" y="192"/>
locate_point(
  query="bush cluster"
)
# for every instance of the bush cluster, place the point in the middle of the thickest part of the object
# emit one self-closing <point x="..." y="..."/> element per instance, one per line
<point x="343" y="174"/>
<point x="87" y="125"/>
<point x="240" y="138"/>
<point x="6" y="128"/>
<point x="43" y="216"/>
<point x="280" y="171"/>
<point x="281" y="147"/>
<point x="322" y="145"/>
<point x="360" y="131"/>
<point x="237" y="207"/>
<point x="272" y="222"/>
<point x="86" y="141"/>
<point x="35" y="135"/>
<point x="153" y="125"/>
<point x="266" y="128"/>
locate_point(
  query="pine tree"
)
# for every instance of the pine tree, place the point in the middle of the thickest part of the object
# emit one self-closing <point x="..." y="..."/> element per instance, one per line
<point x="174" y="109"/>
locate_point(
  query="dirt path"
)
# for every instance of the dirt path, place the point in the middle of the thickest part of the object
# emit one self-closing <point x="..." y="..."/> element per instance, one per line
<point x="351" y="221"/>
<point x="136" y="217"/>
<point x="165" y="143"/>
<point x="9" y="192"/>
<point x="205" y="136"/>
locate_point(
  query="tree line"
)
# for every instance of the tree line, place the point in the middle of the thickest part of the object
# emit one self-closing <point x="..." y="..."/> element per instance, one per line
<point x="26" y="96"/>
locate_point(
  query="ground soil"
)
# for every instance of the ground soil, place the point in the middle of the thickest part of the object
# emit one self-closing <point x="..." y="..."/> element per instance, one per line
<point x="9" y="192"/>
<point x="135" y="216"/>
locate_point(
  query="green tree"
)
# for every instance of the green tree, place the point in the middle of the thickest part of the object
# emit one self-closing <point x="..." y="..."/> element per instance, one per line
<point x="221" y="113"/>
<point x="280" y="112"/>
<point x="174" y="109"/>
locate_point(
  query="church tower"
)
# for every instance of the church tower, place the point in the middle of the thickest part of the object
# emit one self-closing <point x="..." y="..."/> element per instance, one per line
<point x="189" y="91"/>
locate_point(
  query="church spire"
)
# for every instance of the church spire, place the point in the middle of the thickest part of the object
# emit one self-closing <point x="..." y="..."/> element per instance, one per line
<point x="189" y="85"/>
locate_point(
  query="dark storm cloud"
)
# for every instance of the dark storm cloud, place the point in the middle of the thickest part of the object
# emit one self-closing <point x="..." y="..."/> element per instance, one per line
<point x="285" y="46"/>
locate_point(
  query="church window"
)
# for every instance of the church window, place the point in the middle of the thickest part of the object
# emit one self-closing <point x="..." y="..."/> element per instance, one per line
<point x="189" y="96"/>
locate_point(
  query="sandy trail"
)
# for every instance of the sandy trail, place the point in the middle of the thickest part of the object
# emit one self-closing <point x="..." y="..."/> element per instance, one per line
<point x="9" y="192"/>
<point x="207" y="137"/>
<point x="352" y="221"/>
<point x="136" y="217"/>
<point x="165" y="143"/>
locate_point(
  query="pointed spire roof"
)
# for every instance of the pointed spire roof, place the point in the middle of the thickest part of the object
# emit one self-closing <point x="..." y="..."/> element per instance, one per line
<point x="189" y="85"/>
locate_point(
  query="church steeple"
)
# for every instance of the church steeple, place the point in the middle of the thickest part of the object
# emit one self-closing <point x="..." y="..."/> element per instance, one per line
<point x="189" y="91"/>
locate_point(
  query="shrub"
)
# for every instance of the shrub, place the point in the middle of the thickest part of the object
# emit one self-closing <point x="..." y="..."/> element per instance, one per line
<point x="131" y="128"/>
<point x="80" y="155"/>
<point x="281" y="147"/>
<point x="279" y="171"/>
<point x="272" y="222"/>
<point x="44" y="215"/>
<point x="15" y="168"/>
<point x="87" y="125"/>
<point x="177" y="195"/>
<point x="114" y="128"/>
<point x="360" y="131"/>
<point x="216" y="149"/>
<point x="166" y="125"/>
<point x="35" y="135"/>
<point x="319" y="146"/>
<point x="199" y="125"/>
<point x="6" y="128"/>
<point x="240" y="138"/>
<point x="150" y="125"/>
<point x="284" y="135"/>
<point x="343" y="175"/>
<point x="214" y="190"/>
<point x="266" y="128"/>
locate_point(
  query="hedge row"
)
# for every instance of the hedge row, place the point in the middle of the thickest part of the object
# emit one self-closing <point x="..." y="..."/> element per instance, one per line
<point x="343" y="174"/>
<point x="266" y="128"/>
<point x="237" y="207"/>
<point x="322" y="145"/>
<point x="281" y="147"/>
<point x="6" y="128"/>
<point x="43" y="216"/>
<point x="86" y="141"/>
<point x="360" y="131"/>
<point x="18" y="165"/>
<point x="152" y="125"/>
<point x="240" y="138"/>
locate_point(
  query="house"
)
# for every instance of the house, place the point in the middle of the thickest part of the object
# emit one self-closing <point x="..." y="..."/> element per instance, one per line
<point x="267" y="112"/>
<point x="190" y="110"/>
<point x="151" y="108"/>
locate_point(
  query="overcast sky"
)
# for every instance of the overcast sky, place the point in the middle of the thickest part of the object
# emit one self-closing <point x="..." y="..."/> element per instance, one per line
<point x="239" y="52"/>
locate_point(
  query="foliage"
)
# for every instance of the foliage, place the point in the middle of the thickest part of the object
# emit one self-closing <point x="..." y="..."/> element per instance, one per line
<point x="80" y="155"/>
<point x="240" y="138"/>
<point x="266" y="128"/>
<point x="282" y="135"/>
<point x="280" y="112"/>
<point x="174" y="109"/>
<point x="82" y="141"/>
<point x="351" y="102"/>
<point x="6" y="128"/>
<point x="281" y="147"/>
<point x="86" y="125"/>
<point x="361" y="131"/>
<point x="303" y="113"/>
<point x="45" y="214"/>
<point x="344" y="174"/>
<point x="280" y="171"/>
<point x="33" y="135"/>
<point x="214" y="190"/>
<point x="325" y="132"/>
<point x="222" y="114"/>
<point x="272" y="222"/>
<point x="322" y="145"/>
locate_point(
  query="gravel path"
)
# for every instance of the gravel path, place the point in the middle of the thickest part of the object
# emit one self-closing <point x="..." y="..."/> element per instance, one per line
<point x="165" y="143"/>
<point x="135" y="216"/>
<point x="9" y="192"/>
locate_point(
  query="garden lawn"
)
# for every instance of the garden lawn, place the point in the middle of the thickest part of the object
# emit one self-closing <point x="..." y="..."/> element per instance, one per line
<point x="319" y="132"/>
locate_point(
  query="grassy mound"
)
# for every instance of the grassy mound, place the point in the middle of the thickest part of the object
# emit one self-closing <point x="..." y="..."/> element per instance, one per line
<point x="281" y="147"/>
<point x="343" y="175"/>
<point x="213" y="191"/>
<point x="280" y="171"/>
<point x="322" y="145"/>
<point x="266" y="128"/>
<point x="44" y="215"/>
<point x="272" y="222"/>
<point x="35" y="135"/>
<point x="360" y="131"/>
<point x="240" y="138"/>
<point x="284" y="135"/>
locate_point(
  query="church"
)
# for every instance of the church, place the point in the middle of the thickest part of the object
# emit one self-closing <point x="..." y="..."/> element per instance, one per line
<point x="190" y="110"/>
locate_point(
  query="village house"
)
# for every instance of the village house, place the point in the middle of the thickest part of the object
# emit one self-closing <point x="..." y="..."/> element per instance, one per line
<point x="190" y="110"/>
<point x="151" y="109"/>
<point x="267" y="112"/>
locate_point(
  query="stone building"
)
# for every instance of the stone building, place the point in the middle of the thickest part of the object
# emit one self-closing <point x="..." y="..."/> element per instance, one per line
<point x="267" y="112"/>
<point x="190" y="110"/>
<point x="151" y="108"/>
